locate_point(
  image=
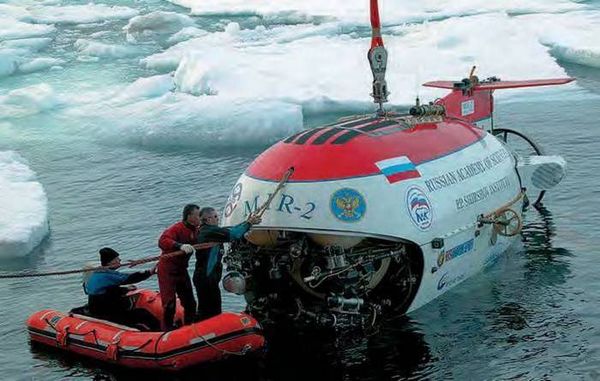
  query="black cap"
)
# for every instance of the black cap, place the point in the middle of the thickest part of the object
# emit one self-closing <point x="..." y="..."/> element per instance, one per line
<point x="106" y="255"/>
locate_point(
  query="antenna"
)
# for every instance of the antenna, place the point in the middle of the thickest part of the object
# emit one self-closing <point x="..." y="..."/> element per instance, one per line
<point x="377" y="56"/>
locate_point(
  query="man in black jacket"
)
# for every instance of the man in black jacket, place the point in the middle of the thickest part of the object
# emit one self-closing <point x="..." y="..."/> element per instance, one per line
<point x="209" y="269"/>
<point x="106" y="297"/>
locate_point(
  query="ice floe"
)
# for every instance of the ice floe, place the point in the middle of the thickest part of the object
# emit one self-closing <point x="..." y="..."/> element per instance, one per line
<point x="24" y="205"/>
<point x="572" y="37"/>
<point x="79" y="14"/>
<point x="28" y="101"/>
<point x="31" y="44"/>
<point x="149" y="114"/>
<point x="356" y="11"/>
<point x="102" y="50"/>
<point x="143" y="88"/>
<point x="276" y="64"/>
<point x="40" y="63"/>
<point x="155" y="24"/>
<point x="14" y="29"/>
<point x="186" y="33"/>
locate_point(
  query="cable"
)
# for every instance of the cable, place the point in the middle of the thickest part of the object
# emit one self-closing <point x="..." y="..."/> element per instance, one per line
<point x="130" y="263"/>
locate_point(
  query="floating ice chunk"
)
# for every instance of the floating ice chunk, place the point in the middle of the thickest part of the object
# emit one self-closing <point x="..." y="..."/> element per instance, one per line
<point x="587" y="56"/>
<point x="102" y="34"/>
<point x="24" y="205"/>
<point x="194" y="77"/>
<point x="27" y="101"/>
<point x="156" y="23"/>
<point x="8" y="11"/>
<point x="148" y="87"/>
<point x="186" y="34"/>
<point x="233" y="36"/>
<point x="272" y="62"/>
<point x="18" y="57"/>
<point x="79" y="14"/>
<point x="102" y="50"/>
<point x="232" y="28"/>
<point x="30" y="44"/>
<point x="183" y="120"/>
<point x="14" y="29"/>
<point x="16" y="44"/>
<point x="39" y="63"/>
<point x="10" y="60"/>
<point x="572" y="37"/>
<point x="159" y="62"/>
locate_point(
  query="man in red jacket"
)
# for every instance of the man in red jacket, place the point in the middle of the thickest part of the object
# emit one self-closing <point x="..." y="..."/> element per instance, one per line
<point x="173" y="277"/>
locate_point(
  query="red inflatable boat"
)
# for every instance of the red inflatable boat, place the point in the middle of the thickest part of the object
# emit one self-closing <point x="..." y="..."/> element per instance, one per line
<point x="209" y="340"/>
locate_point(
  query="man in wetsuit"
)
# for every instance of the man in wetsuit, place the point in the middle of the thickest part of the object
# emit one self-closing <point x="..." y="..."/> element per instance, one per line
<point x="106" y="297"/>
<point x="173" y="277"/>
<point x="208" y="271"/>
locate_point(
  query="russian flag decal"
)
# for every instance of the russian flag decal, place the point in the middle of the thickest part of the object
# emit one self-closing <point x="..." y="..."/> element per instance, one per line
<point x="398" y="169"/>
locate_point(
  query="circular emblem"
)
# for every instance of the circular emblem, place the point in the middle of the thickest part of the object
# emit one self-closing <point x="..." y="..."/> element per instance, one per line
<point x="348" y="205"/>
<point x="419" y="208"/>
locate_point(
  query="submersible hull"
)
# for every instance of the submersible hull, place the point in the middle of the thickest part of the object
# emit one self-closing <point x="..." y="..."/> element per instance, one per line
<point x="381" y="215"/>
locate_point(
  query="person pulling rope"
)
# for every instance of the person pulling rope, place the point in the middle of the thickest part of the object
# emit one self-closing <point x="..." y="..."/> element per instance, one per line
<point x="130" y="263"/>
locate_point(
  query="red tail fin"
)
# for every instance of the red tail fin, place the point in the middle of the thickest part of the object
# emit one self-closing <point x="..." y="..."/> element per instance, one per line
<point x="498" y="84"/>
<point x="473" y="100"/>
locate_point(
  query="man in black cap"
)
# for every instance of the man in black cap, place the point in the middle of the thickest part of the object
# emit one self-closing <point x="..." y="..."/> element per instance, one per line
<point x="103" y="287"/>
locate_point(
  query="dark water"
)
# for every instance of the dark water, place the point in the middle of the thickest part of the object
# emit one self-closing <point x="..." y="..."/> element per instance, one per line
<point x="533" y="315"/>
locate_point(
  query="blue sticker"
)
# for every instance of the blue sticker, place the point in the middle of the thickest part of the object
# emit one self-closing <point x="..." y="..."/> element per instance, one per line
<point x="348" y="205"/>
<point x="455" y="252"/>
<point x="419" y="208"/>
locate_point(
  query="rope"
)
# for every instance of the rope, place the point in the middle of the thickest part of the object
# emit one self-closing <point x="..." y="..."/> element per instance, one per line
<point x="260" y="211"/>
<point x="127" y="351"/>
<point x="501" y="227"/>
<point x="93" y="331"/>
<point x="508" y="204"/>
<point x="130" y="263"/>
<point x="50" y="324"/>
<point x="243" y="352"/>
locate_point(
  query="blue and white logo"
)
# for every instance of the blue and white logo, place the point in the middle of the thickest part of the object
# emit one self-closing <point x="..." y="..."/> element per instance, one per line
<point x="348" y="205"/>
<point x="442" y="282"/>
<point x="419" y="208"/>
<point x="447" y="282"/>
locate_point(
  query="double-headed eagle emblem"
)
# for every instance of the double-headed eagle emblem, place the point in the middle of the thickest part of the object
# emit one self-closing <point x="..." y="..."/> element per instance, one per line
<point x="348" y="206"/>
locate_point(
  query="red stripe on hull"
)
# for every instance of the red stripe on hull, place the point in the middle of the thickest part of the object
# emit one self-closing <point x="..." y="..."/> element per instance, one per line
<point x="358" y="156"/>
